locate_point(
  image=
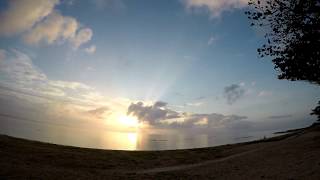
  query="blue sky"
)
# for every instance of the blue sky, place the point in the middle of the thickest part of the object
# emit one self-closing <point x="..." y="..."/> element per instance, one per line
<point x="197" y="57"/>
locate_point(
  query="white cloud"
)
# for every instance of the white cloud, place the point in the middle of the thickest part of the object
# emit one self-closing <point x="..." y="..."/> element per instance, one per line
<point x="70" y="85"/>
<point x="91" y="49"/>
<point x="39" y="22"/>
<point x="17" y="67"/>
<point x="53" y="28"/>
<point x="83" y="36"/>
<point x="196" y="104"/>
<point x="264" y="94"/>
<point x="22" y="15"/>
<point x="18" y="72"/>
<point x="209" y="120"/>
<point x="214" y="7"/>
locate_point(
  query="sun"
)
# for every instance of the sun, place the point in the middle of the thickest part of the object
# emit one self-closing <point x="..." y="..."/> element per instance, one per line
<point x="128" y="121"/>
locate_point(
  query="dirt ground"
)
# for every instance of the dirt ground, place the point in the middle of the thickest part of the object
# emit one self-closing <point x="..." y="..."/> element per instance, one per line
<point x="291" y="156"/>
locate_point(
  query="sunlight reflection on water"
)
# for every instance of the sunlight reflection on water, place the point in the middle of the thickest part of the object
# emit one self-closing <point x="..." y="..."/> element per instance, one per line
<point x="139" y="140"/>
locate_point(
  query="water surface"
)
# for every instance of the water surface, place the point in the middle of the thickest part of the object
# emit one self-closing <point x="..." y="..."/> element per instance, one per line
<point x="121" y="140"/>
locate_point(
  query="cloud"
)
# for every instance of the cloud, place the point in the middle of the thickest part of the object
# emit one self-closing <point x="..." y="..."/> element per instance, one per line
<point x="38" y="22"/>
<point x="208" y="120"/>
<point x="280" y="116"/>
<point x="91" y="49"/>
<point x="214" y="7"/>
<point x="35" y="95"/>
<point x="69" y="2"/>
<point x="53" y="28"/>
<point x="196" y="104"/>
<point x="98" y="112"/>
<point x="160" y="115"/>
<point x="21" y="79"/>
<point x="18" y="68"/>
<point x="83" y="36"/>
<point x="212" y="40"/>
<point x="233" y="92"/>
<point x="160" y="104"/>
<point x="2" y="55"/>
<point x="70" y="85"/>
<point x="117" y="5"/>
<point x="22" y="15"/>
<point x="264" y="93"/>
<point x="151" y="113"/>
<point x="20" y="75"/>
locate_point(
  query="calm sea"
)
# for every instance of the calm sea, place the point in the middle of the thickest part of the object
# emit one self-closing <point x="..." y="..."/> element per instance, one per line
<point x="150" y="139"/>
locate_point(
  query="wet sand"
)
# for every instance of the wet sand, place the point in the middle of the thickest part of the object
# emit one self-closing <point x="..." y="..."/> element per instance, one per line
<point x="291" y="156"/>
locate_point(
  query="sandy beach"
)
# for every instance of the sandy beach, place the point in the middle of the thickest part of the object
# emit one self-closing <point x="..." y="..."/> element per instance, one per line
<point x="290" y="156"/>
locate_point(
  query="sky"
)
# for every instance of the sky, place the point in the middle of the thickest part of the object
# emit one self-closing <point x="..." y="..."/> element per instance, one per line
<point x="124" y="64"/>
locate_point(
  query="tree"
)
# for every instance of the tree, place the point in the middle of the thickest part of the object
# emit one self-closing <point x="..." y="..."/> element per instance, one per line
<point x="316" y="111"/>
<point x="292" y="38"/>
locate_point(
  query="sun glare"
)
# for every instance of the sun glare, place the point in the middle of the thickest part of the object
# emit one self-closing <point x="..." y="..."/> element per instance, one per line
<point x="129" y="121"/>
<point x="132" y="138"/>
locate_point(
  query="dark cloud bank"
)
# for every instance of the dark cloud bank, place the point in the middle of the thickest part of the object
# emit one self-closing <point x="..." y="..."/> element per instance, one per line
<point x="157" y="113"/>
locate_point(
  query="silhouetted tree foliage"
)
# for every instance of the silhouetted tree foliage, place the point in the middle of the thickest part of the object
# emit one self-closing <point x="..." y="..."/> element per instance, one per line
<point x="292" y="37"/>
<point x="316" y="111"/>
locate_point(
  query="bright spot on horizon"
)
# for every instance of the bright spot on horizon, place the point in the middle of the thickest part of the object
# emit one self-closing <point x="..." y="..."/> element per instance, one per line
<point x="132" y="138"/>
<point x="128" y="121"/>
